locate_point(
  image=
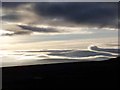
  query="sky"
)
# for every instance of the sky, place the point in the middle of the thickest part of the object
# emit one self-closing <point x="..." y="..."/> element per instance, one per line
<point x="58" y="25"/>
<point x="55" y="32"/>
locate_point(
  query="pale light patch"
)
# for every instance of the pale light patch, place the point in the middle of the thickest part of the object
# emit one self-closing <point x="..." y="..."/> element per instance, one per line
<point x="64" y="44"/>
<point x="112" y="29"/>
<point x="4" y="32"/>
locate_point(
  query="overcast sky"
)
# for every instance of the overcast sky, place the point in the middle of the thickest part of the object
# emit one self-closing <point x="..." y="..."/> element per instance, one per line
<point x="58" y="17"/>
<point x="55" y="21"/>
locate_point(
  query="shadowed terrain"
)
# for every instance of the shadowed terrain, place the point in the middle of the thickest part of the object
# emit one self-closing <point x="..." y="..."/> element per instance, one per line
<point x="94" y="74"/>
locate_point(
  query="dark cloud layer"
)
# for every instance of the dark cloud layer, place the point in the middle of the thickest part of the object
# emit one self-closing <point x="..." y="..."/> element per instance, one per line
<point x="12" y="4"/>
<point x="38" y="29"/>
<point x="91" y="14"/>
<point x="95" y="14"/>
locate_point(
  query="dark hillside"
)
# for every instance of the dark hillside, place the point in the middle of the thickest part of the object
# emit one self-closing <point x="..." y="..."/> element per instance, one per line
<point x="99" y="74"/>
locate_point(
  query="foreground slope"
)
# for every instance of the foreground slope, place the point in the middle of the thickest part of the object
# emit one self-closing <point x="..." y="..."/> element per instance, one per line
<point x="95" y="74"/>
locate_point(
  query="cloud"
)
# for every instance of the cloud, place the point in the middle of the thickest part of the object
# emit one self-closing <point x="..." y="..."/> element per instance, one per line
<point x="95" y="51"/>
<point x="19" y="29"/>
<point x="26" y="29"/>
<point x="55" y="30"/>
<point x="61" y="17"/>
<point x="12" y="4"/>
<point x="95" y="48"/>
<point x="78" y="53"/>
<point x="91" y="14"/>
<point x="69" y="53"/>
<point x="11" y="17"/>
<point x="22" y="13"/>
<point x="38" y="29"/>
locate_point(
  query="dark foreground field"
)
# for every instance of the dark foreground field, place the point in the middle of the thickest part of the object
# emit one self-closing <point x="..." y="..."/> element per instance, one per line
<point x="101" y="74"/>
